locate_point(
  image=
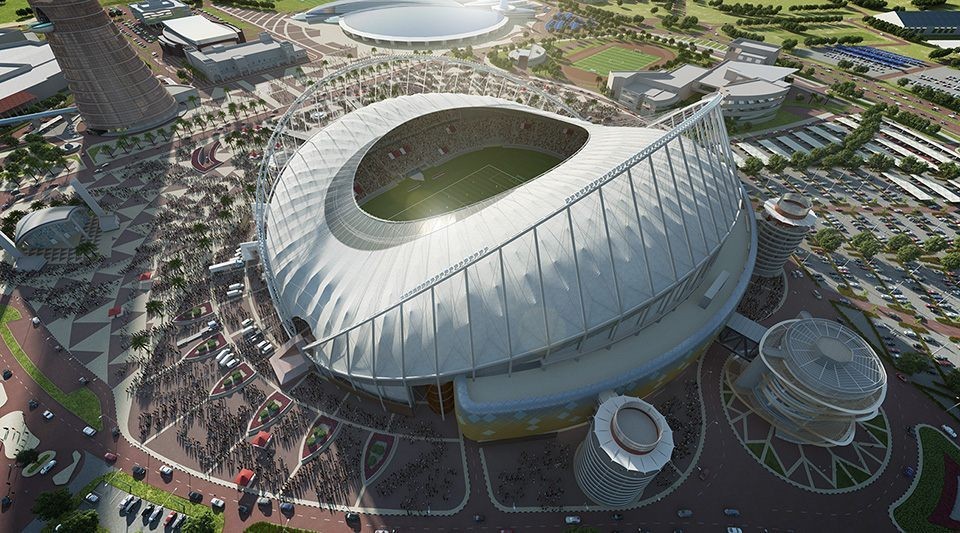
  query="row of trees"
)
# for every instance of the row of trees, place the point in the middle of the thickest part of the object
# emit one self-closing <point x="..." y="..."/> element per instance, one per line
<point x="884" y="26"/>
<point x="876" y="5"/>
<point x="843" y="39"/>
<point x="35" y="159"/>
<point x="249" y="4"/>
<point x="834" y="4"/>
<point x="748" y="9"/>
<point x="936" y="96"/>
<point x="735" y="33"/>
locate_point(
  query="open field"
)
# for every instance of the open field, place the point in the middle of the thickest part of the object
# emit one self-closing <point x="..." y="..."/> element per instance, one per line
<point x="462" y="181"/>
<point x="615" y="58"/>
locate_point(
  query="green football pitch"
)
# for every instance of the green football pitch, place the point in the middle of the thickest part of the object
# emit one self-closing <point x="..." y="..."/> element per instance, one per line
<point x="459" y="182"/>
<point x="615" y="58"/>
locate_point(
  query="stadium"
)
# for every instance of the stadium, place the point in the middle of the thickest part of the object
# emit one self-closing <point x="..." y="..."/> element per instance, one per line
<point x="470" y="240"/>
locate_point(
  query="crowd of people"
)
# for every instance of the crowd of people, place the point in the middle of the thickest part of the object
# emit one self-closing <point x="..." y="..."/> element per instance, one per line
<point x="541" y="471"/>
<point x="762" y="298"/>
<point x="420" y="481"/>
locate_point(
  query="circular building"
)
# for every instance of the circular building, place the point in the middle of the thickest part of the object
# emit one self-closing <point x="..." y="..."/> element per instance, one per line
<point x="628" y="444"/>
<point x="813" y="380"/>
<point x="519" y="260"/>
<point x="51" y="227"/>
<point x="783" y="224"/>
<point x="422" y="26"/>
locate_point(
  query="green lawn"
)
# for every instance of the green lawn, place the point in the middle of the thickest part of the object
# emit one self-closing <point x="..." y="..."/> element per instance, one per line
<point x="615" y="58"/>
<point x="81" y="402"/>
<point x="462" y="181"/>
<point x="912" y="514"/>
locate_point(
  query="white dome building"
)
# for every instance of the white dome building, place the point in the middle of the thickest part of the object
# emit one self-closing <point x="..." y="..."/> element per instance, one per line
<point x="514" y="297"/>
<point x="813" y="380"/>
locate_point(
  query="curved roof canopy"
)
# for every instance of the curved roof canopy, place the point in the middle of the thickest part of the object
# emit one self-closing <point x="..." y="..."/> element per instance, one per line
<point x="536" y="266"/>
<point x="41" y="217"/>
<point x="422" y="23"/>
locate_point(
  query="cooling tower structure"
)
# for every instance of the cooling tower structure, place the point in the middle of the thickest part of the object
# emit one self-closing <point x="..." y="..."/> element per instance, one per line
<point x="115" y="91"/>
<point x="628" y="444"/>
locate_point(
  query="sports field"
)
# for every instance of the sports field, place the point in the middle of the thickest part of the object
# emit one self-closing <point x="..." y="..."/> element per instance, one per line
<point x="462" y="181"/>
<point x="615" y="58"/>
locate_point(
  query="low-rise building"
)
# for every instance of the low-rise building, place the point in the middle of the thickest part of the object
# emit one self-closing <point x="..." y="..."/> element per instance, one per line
<point x="28" y="71"/>
<point x="152" y="12"/>
<point x="925" y="23"/>
<point x="748" y="51"/>
<point x="197" y="32"/>
<point x="52" y="227"/>
<point x="528" y="57"/>
<point x="220" y="62"/>
<point x="753" y="90"/>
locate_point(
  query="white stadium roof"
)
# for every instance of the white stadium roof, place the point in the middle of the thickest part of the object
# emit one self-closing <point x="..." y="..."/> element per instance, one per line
<point x="346" y="273"/>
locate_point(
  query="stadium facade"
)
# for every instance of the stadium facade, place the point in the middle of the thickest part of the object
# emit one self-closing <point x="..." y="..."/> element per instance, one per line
<point x="613" y="270"/>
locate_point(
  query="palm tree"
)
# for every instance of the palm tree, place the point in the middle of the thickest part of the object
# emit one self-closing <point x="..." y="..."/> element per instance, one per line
<point x="232" y="108"/>
<point x="175" y="264"/>
<point x="154" y="307"/>
<point x="150" y="137"/>
<point x="123" y="143"/>
<point x="198" y="120"/>
<point x="140" y="340"/>
<point x="178" y="282"/>
<point x="222" y="116"/>
<point x="136" y="140"/>
<point x="85" y="249"/>
<point x="193" y="100"/>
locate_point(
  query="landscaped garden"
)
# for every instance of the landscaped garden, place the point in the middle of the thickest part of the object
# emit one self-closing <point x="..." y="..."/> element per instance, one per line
<point x="318" y="437"/>
<point x="194" y="313"/>
<point x="376" y="455"/>
<point x="929" y="504"/>
<point x="233" y="381"/>
<point x="206" y="347"/>
<point x="271" y="410"/>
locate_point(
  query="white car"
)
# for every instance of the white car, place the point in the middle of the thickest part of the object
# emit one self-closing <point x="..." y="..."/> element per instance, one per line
<point x="92" y="497"/>
<point x="216" y="503"/>
<point x="946" y="429"/>
<point x="48" y="415"/>
<point x="166" y="470"/>
<point x="89" y="431"/>
<point x="53" y="462"/>
<point x="571" y="520"/>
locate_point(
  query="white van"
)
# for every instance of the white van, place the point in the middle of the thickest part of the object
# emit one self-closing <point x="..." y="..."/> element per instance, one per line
<point x="247" y="322"/>
<point x="262" y="344"/>
<point x="235" y="287"/>
<point x="234" y="294"/>
<point x="249" y="331"/>
<point x="223" y="355"/>
<point x="266" y="349"/>
<point x="232" y="363"/>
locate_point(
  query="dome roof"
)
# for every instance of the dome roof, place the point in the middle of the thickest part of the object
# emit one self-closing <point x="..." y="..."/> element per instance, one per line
<point x="534" y="267"/>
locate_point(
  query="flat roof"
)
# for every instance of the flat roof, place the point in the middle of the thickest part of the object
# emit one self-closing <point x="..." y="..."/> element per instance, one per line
<point x="249" y="48"/>
<point x="148" y="6"/>
<point x="37" y="56"/>
<point x="199" y="29"/>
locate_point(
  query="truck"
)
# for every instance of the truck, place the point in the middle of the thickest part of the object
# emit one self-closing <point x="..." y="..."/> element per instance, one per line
<point x="226" y="266"/>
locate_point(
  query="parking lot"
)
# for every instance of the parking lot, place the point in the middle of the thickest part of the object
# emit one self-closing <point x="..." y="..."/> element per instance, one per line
<point x="113" y="519"/>
<point x="916" y="293"/>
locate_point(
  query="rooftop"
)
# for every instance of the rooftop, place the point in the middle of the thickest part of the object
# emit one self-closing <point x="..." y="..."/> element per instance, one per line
<point x="24" y="65"/>
<point x="922" y="19"/>
<point x="156" y="5"/>
<point x="40" y="217"/>
<point x="221" y="52"/>
<point x="730" y="72"/>
<point x="199" y="29"/>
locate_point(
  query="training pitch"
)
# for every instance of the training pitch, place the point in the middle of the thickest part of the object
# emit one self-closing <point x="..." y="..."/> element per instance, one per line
<point x="615" y="58"/>
<point x="459" y="182"/>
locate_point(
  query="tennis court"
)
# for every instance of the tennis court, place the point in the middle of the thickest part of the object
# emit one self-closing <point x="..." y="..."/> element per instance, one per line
<point x="462" y="181"/>
<point x="615" y="58"/>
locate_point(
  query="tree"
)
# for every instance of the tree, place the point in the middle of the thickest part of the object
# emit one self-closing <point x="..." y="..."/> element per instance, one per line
<point x="870" y="248"/>
<point x="898" y="241"/>
<point x="86" y="249"/>
<point x="204" y="523"/>
<point x="935" y="244"/>
<point x="777" y="163"/>
<point x="912" y="165"/>
<point x="948" y="171"/>
<point x="951" y="261"/>
<point x="27" y="456"/>
<point x="53" y="504"/>
<point x="752" y="166"/>
<point x="80" y="522"/>
<point x="880" y="162"/>
<point x="828" y="238"/>
<point x="913" y="362"/>
<point x="154" y="307"/>
<point x="789" y="44"/>
<point x="140" y="340"/>
<point x="799" y="160"/>
<point x="903" y="82"/>
<point x="909" y="253"/>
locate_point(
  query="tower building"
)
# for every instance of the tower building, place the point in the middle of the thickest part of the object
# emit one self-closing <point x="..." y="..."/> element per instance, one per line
<point x="782" y="225"/>
<point x="628" y="444"/>
<point x="113" y="88"/>
<point x="813" y="381"/>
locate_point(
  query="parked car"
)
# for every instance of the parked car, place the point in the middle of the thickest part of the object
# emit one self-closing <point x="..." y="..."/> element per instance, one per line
<point x="48" y="415"/>
<point x="89" y="431"/>
<point x="286" y="507"/>
<point x="165" y="470"/>
<point x="571" y="520"/>
<point x="170" y="518"/>
<point x="92" y="497"/>
<point x="109" y="457"/>
<point x="53" y="462"/>
<point x="949" y="431"/>
<point x="124" y="502"/>
<point x="139" y="471"/>
<point x="216" y="503"/>
<point x="147" y="510"/>
<point x="195" y="496"/>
